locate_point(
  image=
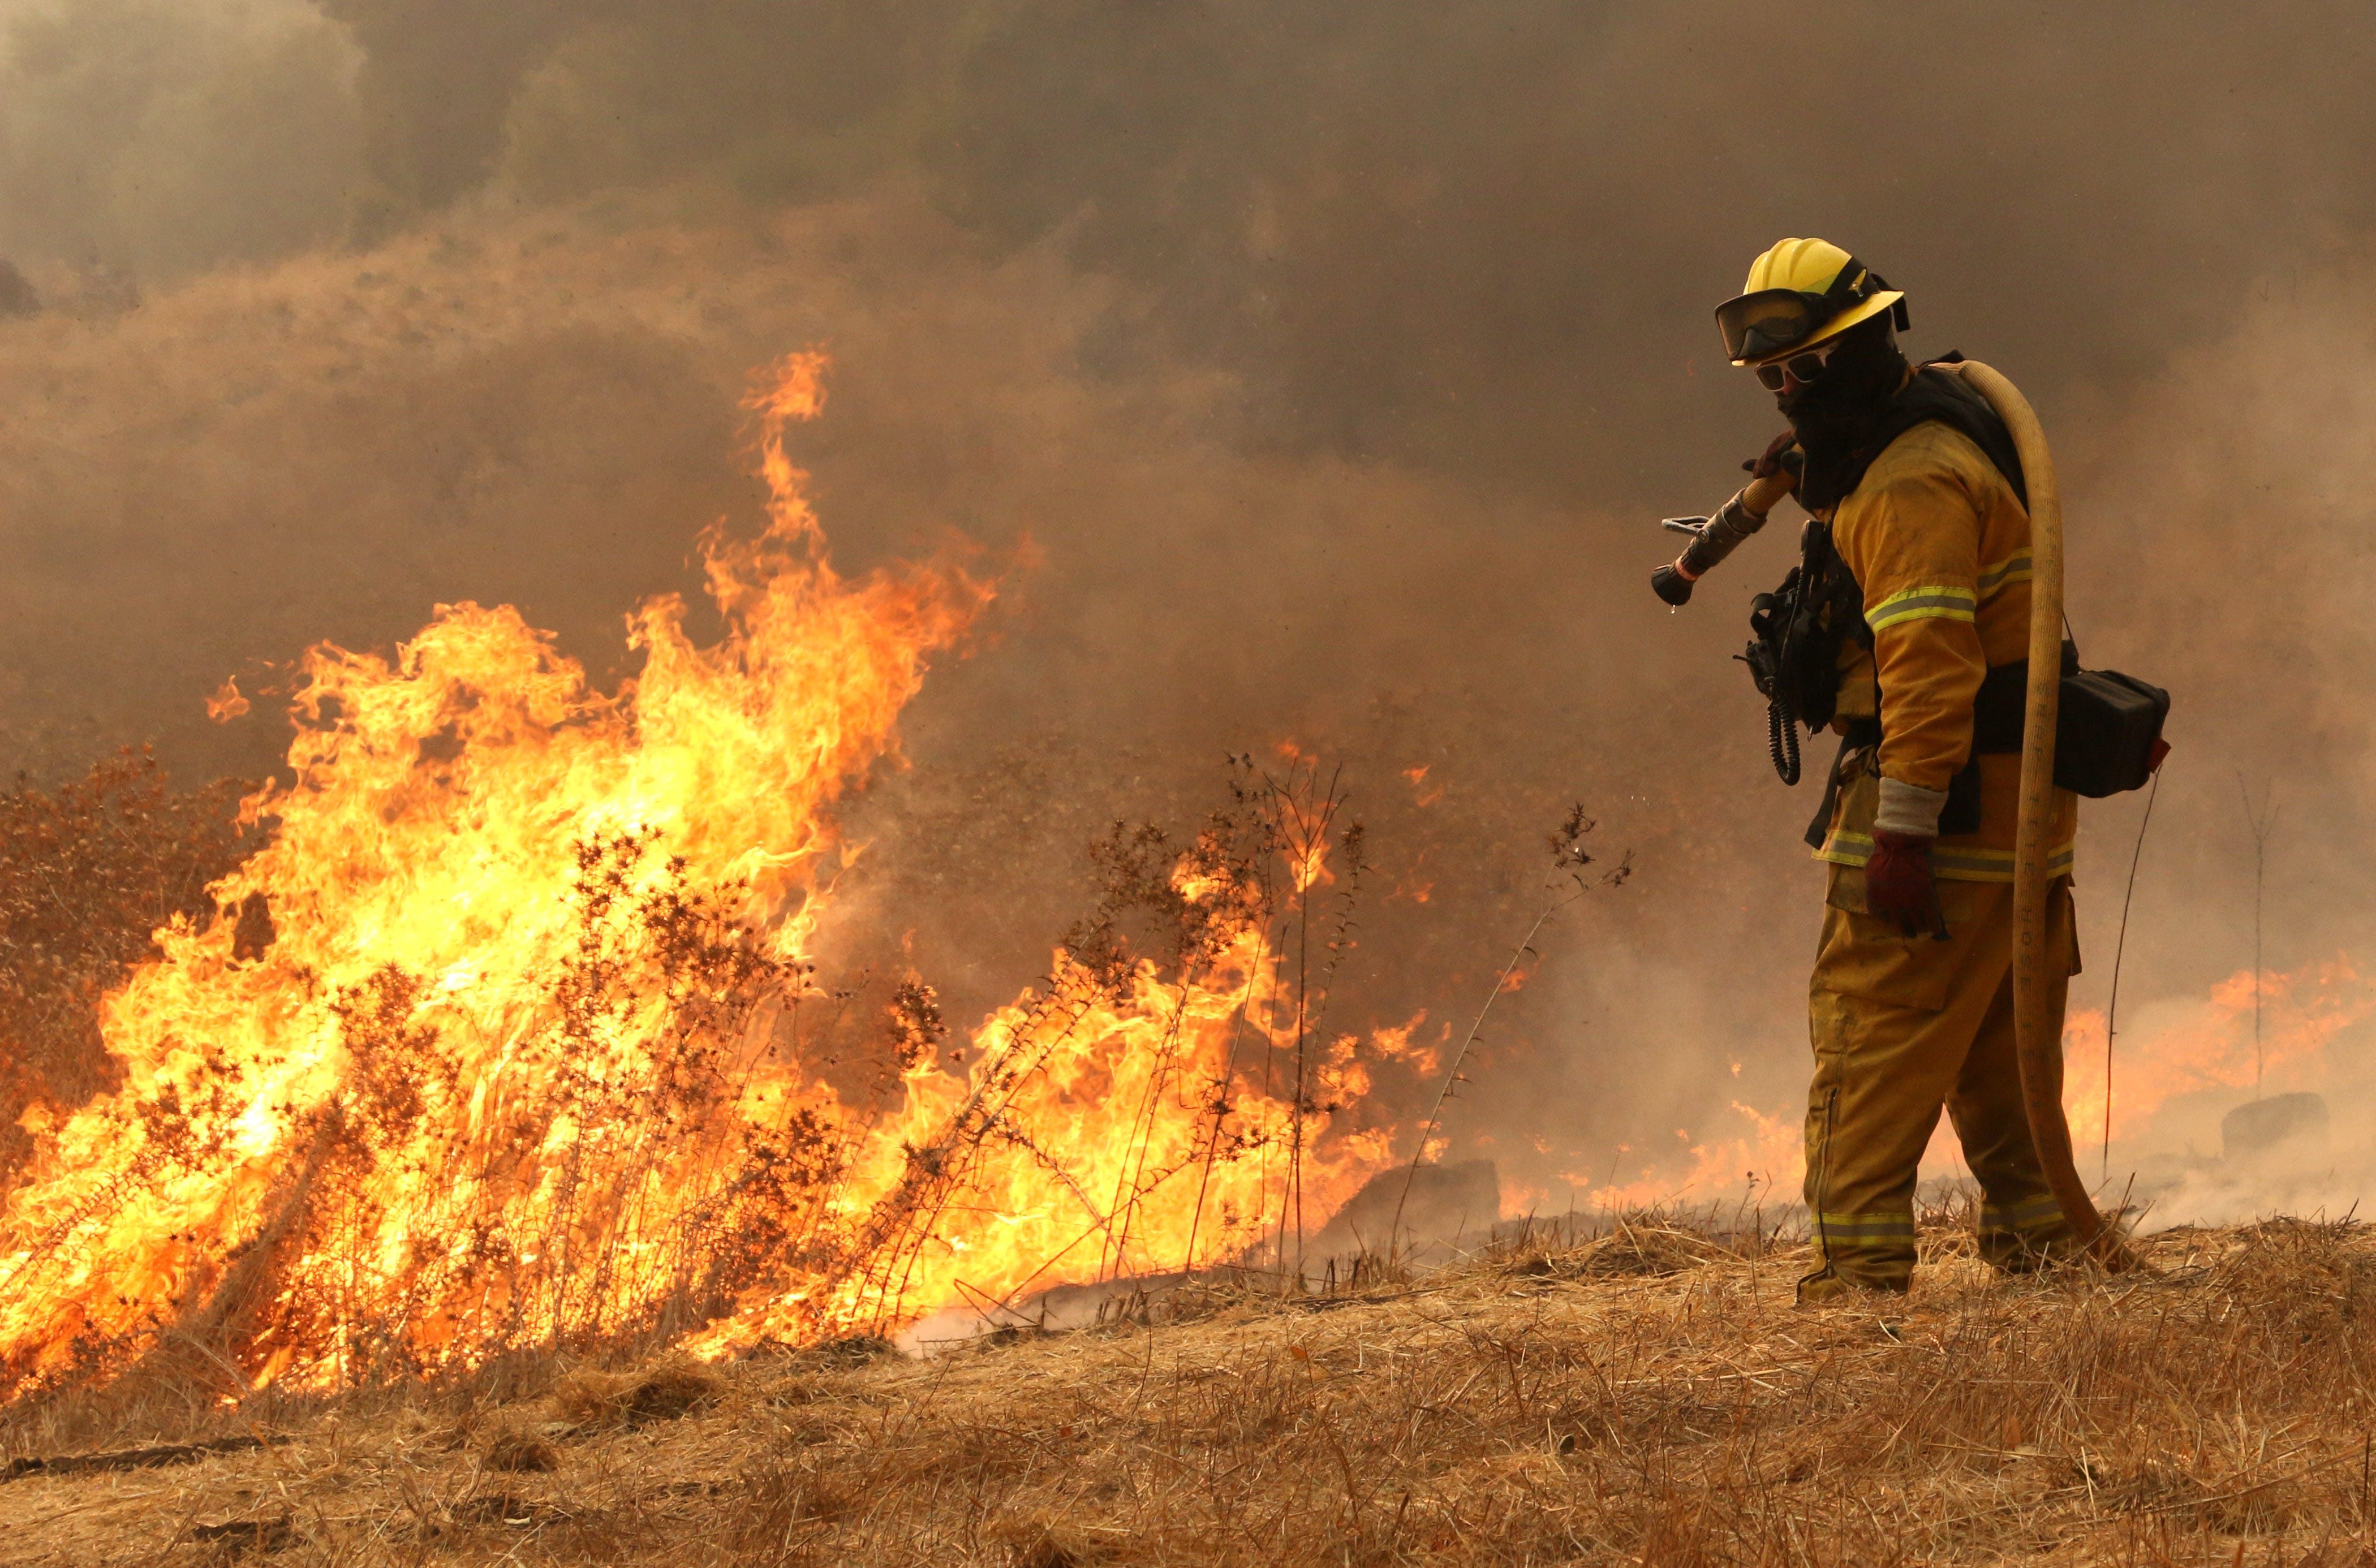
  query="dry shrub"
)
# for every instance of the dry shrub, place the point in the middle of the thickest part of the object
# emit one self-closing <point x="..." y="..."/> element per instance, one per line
<point x="850" y="1350"/>
<point x="1651" y="1250"/>
<point x="788" y="1495"/>
<point x="235" y="1539"/>
<point x="1947" y="1223"/>
<point x="88" y="872"/>
<point x="520" y="1449"/>
<point x="636" y="1274"/>
<point x="498" y="1507"/>
<point x="661" y="1394"/>
<point x="800" y="1390"/>
<point x="1037" y="1540"/>
<point x="763" y="1191"/>
<point x="450" y="1436"/>
<point x="1647" y="1245"/>
<point x="777" y="1515"/>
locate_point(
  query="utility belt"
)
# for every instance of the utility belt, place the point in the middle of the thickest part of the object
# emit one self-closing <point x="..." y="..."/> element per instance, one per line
<point x="2107" y="738"/>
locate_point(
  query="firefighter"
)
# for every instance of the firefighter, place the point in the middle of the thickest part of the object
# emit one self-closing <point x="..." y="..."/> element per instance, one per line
<point x="1910" y="1006"/>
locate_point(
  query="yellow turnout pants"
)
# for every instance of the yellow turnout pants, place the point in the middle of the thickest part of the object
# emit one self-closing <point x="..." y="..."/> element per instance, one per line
<point x="1901" y="1026"/>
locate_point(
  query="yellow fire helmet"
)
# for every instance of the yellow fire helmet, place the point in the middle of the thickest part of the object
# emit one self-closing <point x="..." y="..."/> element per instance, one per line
<point x="1801" y="293"/>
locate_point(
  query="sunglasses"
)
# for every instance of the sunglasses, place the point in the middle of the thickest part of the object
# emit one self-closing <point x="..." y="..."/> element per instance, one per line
<point x="1801" y="368"/>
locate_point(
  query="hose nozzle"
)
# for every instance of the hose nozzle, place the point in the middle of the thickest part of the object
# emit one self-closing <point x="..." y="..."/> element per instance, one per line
<point x="1712" y="538"/>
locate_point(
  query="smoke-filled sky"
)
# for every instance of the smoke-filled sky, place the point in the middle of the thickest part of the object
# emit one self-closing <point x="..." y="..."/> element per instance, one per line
<point x="1307" y="369"/>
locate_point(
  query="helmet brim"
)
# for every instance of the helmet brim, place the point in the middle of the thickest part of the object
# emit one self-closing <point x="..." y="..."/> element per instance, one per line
<point x="1855" y="315"/>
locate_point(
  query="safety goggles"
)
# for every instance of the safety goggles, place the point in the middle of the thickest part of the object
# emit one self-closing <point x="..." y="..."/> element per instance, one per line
<point x="1769" y="321"/>
<point x="1801" y="368"/>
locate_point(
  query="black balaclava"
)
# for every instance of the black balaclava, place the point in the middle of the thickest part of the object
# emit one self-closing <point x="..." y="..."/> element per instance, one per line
<point x="1838" y="413"/>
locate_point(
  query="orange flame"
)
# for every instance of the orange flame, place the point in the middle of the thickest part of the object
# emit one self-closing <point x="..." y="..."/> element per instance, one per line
<point x="2210" y="1046"/>
<point x="2206" y="1045"/>
<point x="522" y="1063"/>
<point x="1770" y="1154"/>
<point x="1420" y="794"/>
<point x="227" y="704"/>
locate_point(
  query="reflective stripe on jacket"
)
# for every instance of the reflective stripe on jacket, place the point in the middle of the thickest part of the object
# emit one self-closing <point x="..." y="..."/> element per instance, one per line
<point x="1939" y="546"/>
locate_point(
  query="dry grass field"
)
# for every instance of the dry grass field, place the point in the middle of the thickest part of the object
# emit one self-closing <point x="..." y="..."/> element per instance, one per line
<point x="1649" y="1395"/>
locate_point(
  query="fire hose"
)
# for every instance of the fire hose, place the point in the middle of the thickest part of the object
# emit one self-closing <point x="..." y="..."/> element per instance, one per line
<point x="2037" y="1022"/>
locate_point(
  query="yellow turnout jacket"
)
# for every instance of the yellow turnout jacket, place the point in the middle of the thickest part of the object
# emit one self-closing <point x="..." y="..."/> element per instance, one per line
<point x="1939" y="545"/>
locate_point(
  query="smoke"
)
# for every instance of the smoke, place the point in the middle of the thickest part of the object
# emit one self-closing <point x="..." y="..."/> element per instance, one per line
<point x="1309" y="371"/>
<point x="144" y="141"/>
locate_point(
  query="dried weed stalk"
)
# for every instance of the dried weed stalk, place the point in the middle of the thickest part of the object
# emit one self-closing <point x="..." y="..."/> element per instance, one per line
<point x="88" y="872"/>
<point x="643" y="1189"/>
<point x="1645" y="1393"/>
<point x="1568" y="882"/>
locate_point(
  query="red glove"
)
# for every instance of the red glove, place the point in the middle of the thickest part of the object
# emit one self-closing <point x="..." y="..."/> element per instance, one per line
<point x="1897" y="884"/>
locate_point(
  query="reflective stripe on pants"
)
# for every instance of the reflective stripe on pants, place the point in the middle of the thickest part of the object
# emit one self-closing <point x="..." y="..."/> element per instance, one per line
<point x="1885" y="1064"/>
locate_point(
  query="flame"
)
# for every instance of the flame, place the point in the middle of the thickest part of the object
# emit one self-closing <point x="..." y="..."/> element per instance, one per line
<point x="1308" y="862"/>
<point x="1196" y="883"/>
<point x="227" y="704"/>
<point x="2199" y="1046"/>
<point x="1770" y="1154"/>
<point x="523" y="1057"/>
<point x="2209" y="1044"/>
<point x="1099" y="1135"/>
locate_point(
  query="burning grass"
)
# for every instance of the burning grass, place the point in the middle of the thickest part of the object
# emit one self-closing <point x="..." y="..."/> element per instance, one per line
<point x="88" y="872"/>
<point x="504" y="1036"/>
<point x="1646" y="1395"/>
<point x="497" y="1070"/>
<point x="507" y="1039"/>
